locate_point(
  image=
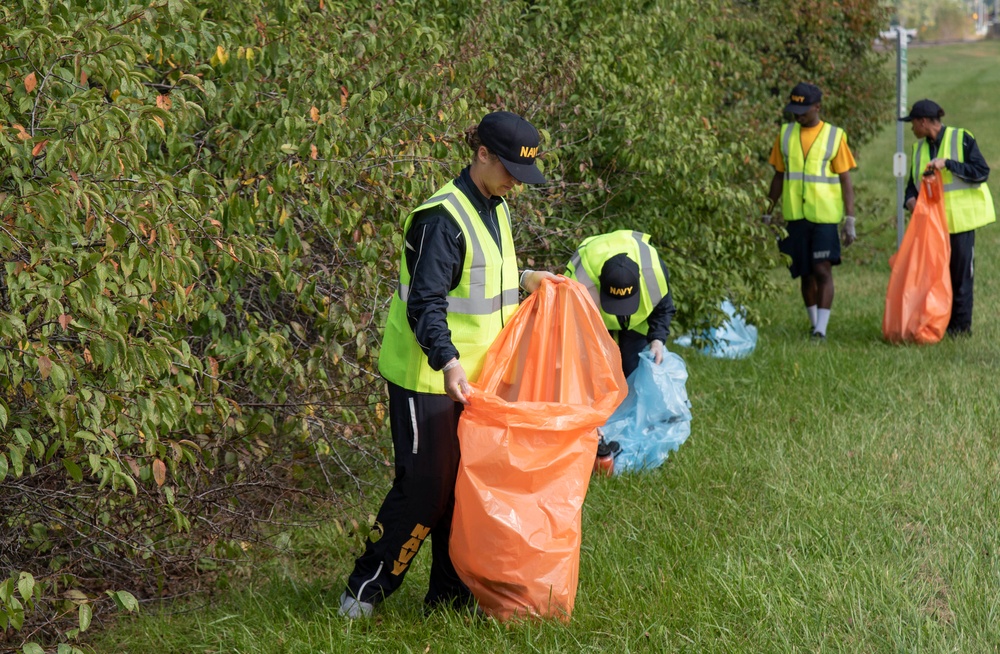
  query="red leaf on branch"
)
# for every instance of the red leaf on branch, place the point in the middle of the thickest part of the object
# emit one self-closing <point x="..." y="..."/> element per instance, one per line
<point x="159" y="471"/>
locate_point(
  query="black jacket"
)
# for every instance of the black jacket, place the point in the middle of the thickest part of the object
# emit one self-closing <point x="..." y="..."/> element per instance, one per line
<point x="435" y="254"/>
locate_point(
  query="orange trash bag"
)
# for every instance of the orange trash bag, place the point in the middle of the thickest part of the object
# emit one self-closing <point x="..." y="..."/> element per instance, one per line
<point x="918" y="300"/>
<point x="528" y="438"/>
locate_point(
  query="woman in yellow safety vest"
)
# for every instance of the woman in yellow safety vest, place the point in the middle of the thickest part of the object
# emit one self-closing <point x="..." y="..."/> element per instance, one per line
<point x="968" y="203"/>
<point x="458" y="285"/>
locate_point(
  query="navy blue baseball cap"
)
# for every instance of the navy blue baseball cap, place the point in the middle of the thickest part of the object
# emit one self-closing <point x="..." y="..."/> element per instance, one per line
<point x="620" y="279"/>
<point x="515" y="141"/>
<point x="924" y="109"/>
<point x="802" y="97"/>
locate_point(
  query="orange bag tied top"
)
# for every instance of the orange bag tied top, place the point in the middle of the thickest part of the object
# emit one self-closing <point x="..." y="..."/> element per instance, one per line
<point x="918" y="300"/>
<point x="528" y="439"/>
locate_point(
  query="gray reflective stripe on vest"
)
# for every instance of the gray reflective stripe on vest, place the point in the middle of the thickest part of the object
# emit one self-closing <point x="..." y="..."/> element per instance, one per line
<point x="957" y="184"/>
<point x="645" y="263"/>
<point x="786" y="140"/>
<point x="477" y="304"/>
<point x="472" y="306"/>
<point x="814" y="179"/>
<point x="584" y="278"/>
<point x="831" y="144"/>
<point x="960" y="185"/>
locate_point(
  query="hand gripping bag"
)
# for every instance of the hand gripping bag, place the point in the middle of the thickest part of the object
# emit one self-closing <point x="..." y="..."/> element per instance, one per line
<point x="918" y="300"/>
<point x="655" y="418"/>
<point x="528" y="439"/>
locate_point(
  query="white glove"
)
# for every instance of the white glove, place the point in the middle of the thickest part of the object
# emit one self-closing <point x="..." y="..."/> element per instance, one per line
<point x="455" y="383"/>
<point x="532" y="279"/>
<point x="656" y="349"/>
<point x="847" y="233"/>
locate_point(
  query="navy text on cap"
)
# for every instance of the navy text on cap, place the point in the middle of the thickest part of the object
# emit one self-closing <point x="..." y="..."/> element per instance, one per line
<point x="802" y="97"/>
<point x="620" y="293"/>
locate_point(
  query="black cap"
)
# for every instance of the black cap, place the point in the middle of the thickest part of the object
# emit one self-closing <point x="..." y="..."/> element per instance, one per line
<point x="515" y="141"/>
<point x="620" y="286"/>
<point x="802" y="97"/>
<point x="924" y="109"/>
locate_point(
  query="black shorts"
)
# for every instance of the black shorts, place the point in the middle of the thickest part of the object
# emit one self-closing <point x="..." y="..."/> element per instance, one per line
<point x="810" y="243"/>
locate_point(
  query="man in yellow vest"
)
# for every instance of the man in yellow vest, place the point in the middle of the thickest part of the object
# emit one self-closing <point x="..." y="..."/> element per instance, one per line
<point x="628" y="283"/>
<point x="458" y="285"/>
<point x="812" y="164"/>
<point x="968" y="203"/>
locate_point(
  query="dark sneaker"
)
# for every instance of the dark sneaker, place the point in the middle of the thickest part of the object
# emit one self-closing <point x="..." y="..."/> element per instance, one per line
<point x="956" y="332"/>
<point x="818" y="337"/>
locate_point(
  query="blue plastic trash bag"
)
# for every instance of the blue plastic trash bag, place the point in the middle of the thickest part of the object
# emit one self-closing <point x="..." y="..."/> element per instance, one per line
<point x="655" y="418"/>
<point x="733" y="339"/>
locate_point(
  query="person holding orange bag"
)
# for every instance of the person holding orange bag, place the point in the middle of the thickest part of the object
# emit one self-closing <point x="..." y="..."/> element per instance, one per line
<point x="458" y="286"/>
<point x="968" y="203"/>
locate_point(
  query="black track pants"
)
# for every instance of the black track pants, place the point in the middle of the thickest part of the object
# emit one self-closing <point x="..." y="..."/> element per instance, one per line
<point x="420" y="503"/>
<point x="630" y="344"/>
<point x="962" y="268"/>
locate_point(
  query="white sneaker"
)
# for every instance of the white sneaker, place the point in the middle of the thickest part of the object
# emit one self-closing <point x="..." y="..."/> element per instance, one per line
<point x="352" y="608"/>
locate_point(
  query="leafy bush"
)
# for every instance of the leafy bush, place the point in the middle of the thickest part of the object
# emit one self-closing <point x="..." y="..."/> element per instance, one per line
<point x="200" y="208"/>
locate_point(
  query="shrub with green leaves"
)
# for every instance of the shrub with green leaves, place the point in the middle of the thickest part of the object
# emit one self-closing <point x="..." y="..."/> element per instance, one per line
<point x="199" y="226"/>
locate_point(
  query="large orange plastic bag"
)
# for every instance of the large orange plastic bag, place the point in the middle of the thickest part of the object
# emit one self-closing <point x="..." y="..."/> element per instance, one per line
<point x="528" y="439"/>
<point x="655" y="418"/>
<point x="918" y="300"/>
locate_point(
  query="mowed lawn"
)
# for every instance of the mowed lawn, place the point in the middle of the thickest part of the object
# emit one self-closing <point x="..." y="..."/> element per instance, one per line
<point x="834" y="497"/>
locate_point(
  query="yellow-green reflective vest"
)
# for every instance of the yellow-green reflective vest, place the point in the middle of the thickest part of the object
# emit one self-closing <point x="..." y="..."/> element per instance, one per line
<point x="586" y="264"/>
<point x="478" y="307"/>
<point x="967" y="206"/>
<point x="811" y="189"/>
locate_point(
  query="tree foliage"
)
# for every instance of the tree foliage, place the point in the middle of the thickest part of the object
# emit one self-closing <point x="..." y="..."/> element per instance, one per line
<point x="937" y="19"/>
<point x="199" y="222"/>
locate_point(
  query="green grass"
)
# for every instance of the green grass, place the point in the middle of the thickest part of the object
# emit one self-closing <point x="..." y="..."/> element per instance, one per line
<point x="832" y="498"/>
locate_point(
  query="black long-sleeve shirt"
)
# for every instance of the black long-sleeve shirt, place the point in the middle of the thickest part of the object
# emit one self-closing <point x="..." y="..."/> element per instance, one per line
<point x="435" y="256"/>
<point x="973" y="170"/>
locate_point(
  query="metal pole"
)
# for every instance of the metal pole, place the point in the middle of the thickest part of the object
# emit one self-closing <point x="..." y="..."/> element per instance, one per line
<point x="899" y="168"/>
<point x="899" y="165"/>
